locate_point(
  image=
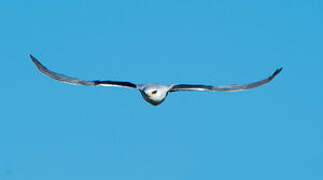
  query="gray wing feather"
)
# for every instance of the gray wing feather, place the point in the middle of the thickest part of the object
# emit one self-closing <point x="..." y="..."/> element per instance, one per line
<point x="192" y="87"/>
<point x="75" y="81"/>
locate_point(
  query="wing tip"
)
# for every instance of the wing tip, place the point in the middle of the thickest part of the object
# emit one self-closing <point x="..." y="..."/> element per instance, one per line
<point x="31" y="56"/>
<point x="39" y="65"/>
<point x="276" y="73"/>
<point x="34" y="59"/>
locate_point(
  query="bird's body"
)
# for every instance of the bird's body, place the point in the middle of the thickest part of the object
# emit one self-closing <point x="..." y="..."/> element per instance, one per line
<point x="155" y="93"/>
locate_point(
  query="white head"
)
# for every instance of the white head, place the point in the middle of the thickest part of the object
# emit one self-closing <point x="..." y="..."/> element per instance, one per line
<point x="154" y="93"/>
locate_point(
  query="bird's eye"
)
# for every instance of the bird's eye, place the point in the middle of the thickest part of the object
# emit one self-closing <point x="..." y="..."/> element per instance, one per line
<point x="154" y="92"/>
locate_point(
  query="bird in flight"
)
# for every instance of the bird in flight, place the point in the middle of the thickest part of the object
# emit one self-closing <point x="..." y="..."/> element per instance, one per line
<point x="154" y="94"/>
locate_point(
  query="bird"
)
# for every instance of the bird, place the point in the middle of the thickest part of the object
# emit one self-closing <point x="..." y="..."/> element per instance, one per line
<point x="153" y="93"/>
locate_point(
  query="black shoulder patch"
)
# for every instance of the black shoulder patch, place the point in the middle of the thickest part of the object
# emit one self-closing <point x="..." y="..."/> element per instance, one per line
<point x="117" y="83"/>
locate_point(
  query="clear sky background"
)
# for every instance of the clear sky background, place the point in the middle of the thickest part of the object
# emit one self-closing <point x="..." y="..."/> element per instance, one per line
<point x="51" y="130"/>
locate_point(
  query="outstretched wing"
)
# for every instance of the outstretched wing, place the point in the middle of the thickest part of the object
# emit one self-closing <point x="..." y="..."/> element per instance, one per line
<point x="75" y="81"/>
<point x="191" y="87"/>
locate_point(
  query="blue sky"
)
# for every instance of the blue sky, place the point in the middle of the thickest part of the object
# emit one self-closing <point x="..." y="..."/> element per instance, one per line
<point x="50" y="130"/>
